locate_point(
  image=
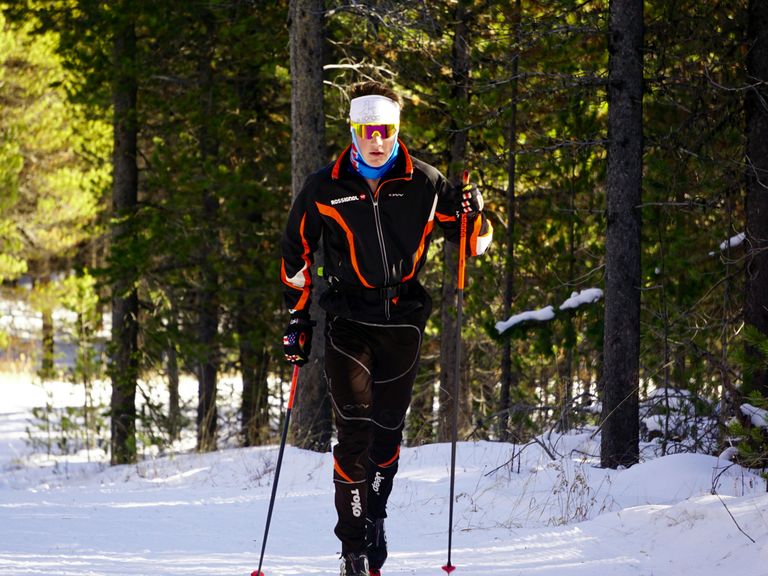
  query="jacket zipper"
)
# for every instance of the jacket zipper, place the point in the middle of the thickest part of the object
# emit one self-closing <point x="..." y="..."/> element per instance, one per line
<point x="380" y="236"/>
<point x="382" y="247"/>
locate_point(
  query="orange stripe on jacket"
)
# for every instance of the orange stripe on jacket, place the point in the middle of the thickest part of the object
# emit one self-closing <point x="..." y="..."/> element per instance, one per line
<point x="445" y="217"/>
<point x="420" y="250"/>
<point x="478" y="225"/>
<point x="306" y="289"/>
<point x="334" y="214"/>
<point x="337" y="164"/>
<point x="476" y="236"/>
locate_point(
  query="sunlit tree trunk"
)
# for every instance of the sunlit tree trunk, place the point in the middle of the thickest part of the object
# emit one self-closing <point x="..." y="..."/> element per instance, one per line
<point x="47" y="365"/>
<point x="312" y="424"/>
<point x="450" y="331"/>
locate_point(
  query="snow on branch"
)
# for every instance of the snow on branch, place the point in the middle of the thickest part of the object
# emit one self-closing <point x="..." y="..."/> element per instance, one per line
<point x="541" y="315"/>
<point x="732" y="242"/>
<point x="588" y="296"/>
<point x="757" y="416"/>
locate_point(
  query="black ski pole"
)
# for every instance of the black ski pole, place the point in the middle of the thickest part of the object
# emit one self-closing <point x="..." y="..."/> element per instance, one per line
<point x="455" y="417"/>
<point x="294" y="380"/>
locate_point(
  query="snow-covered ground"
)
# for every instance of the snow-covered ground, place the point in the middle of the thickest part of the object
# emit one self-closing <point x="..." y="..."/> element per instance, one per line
<point x="518" y="512"/>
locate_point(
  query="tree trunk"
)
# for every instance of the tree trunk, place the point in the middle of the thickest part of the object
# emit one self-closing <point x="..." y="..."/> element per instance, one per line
<point x="174" y="420"/>
<point x="450" y="331"/>
<point x="125" y="304"/>
<point x="756" y="117"/>
<point x="255" y="408"/>
<point x="509" y="376"/>
<point x="174" y="400"/>
<point x="565" y="371"/>
<point x="312" y="424"/>
<point x="621" y="344"/>
<point x="208" y="321"/>
<point x="420" y="424"/>
<point x="47" y="365"/>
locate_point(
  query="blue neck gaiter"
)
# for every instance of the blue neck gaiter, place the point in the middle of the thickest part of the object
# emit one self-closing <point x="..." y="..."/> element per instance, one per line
<point x="367" y="171"/>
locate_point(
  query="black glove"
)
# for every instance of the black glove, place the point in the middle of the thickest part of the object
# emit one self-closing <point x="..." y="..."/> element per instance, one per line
<point x="297" y="341"/>
<point x="469" y="200"/>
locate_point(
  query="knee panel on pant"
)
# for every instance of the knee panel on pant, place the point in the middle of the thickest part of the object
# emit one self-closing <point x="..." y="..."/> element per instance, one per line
<point x="390" y="419"/>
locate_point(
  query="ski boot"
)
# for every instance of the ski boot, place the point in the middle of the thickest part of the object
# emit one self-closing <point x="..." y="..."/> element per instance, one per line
<point x="354" y="565"/>
<point x="377" y="544"/>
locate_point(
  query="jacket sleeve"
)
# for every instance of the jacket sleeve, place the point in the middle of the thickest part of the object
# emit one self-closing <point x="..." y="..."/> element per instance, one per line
<point x="299" y="243"/>
<point x="479" y="228"/>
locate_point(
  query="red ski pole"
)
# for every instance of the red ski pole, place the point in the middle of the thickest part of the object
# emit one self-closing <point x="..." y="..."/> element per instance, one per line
<point x="291" y="396"/>
<point x="455" y="422"/>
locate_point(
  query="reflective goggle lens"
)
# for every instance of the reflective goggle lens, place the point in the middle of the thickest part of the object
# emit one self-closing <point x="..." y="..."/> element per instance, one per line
<point x="370" y="131"/>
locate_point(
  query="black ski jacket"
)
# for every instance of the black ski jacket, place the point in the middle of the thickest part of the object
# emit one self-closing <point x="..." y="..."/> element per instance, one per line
<point x="374" y="243"/>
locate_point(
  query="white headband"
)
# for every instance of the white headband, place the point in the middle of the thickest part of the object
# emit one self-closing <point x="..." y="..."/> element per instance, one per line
<point x="374" y="109"/>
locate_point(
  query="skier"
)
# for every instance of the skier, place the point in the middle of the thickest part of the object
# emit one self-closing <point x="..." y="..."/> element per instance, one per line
<point x="374" y="208"/>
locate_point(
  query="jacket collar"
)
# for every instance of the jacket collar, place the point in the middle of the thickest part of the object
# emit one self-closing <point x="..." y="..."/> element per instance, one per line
<point x="403" y="167"/>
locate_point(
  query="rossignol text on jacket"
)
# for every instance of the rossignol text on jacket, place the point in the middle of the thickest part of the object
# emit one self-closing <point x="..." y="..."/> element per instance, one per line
<point x="375" y="243"/>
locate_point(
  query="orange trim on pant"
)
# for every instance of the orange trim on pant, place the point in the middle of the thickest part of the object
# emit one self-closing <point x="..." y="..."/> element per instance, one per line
<point x="340" y="472"/>
<point x="391" y="460"/>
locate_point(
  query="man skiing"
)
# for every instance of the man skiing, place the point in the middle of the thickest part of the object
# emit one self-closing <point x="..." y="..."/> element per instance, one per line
<point x="374" y="209"/>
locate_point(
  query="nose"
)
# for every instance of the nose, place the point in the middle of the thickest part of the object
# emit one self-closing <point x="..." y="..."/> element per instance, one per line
<point x="377" y="139"/>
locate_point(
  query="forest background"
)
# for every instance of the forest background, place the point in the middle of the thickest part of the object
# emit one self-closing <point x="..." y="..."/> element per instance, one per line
<point x="149" y="153"/>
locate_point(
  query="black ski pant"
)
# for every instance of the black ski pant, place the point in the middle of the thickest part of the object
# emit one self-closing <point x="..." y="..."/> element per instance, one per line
<point x="370" y="369"/>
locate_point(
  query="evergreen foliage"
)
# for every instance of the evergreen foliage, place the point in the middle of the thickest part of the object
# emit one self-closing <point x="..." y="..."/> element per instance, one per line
<point x="214" y="141"/>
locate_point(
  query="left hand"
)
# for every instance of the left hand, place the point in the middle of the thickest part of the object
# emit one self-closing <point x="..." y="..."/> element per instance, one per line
<point x="297" y="341"/>
<point x="469" y="199"/>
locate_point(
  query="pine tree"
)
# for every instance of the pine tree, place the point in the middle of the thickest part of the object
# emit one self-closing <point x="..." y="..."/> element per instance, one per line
<point x="53" y="185"/>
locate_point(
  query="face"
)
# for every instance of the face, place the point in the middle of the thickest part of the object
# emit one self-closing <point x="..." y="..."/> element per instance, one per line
<point x="376" y="150"/>
<point x="375" y="142"/>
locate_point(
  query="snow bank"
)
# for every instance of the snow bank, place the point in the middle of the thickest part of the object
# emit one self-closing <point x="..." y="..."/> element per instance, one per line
<point x="517" y="512"/>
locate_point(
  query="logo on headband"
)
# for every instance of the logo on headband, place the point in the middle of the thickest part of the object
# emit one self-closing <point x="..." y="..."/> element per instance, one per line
<point x="374" y="109"/>
<point x="370" y="113"/>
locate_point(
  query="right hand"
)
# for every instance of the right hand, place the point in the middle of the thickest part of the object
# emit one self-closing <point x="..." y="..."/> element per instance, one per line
<point x="297" y="341"/>
<point x="470" y="200"/>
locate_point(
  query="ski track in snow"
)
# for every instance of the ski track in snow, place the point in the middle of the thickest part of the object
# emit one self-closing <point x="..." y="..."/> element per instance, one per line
<point x="516" y="514"/>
